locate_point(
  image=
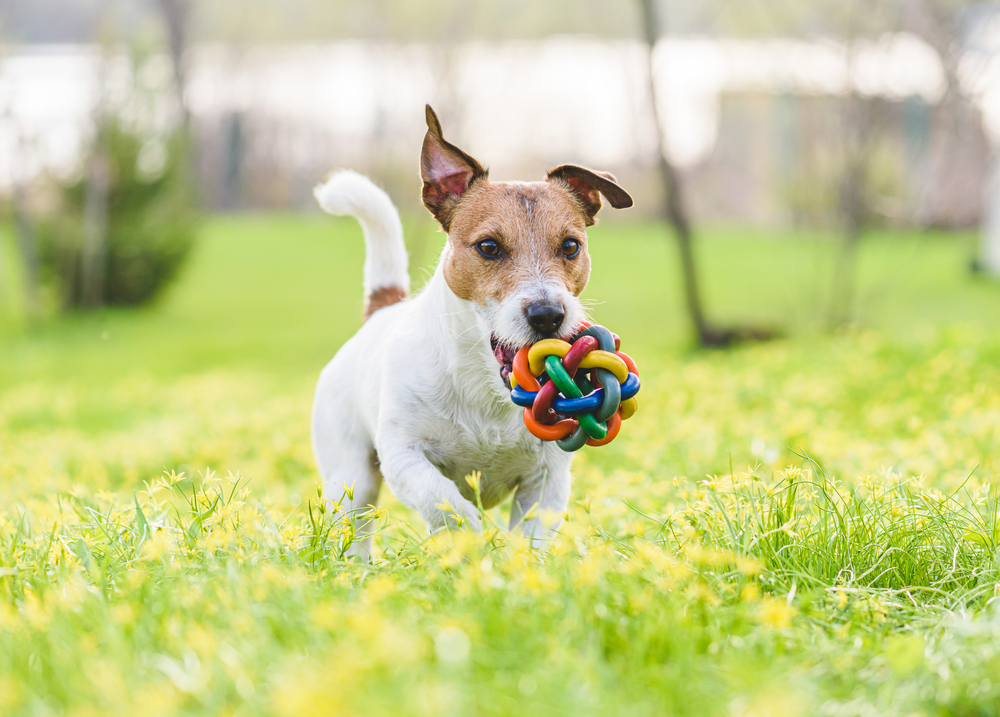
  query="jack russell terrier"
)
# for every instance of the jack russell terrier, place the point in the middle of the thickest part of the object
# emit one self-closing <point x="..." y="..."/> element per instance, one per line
<point x="416" y="396"/>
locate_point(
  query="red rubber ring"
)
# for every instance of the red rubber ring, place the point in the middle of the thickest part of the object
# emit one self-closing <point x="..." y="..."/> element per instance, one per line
<point x="542" y="409"/>
<point x="580" y="348"/>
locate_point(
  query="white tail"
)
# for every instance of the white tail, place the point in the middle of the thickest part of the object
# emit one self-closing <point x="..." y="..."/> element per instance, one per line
<point x="349" y="193"/>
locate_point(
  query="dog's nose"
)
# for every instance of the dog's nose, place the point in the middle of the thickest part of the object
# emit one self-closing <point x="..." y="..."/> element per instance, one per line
<point x="545" y="318"/>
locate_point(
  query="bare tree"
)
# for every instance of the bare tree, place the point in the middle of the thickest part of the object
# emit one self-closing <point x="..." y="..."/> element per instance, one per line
<point x="959" y="32"/>
<point x="852" y="200"/>
<point x="674" y="201"/>
<point x="27" y="246"/>
<point x="860" y="124"/>
<point x="176" y="17"/>
<point x="94" y="253"/>
<point x="677" y="214"/>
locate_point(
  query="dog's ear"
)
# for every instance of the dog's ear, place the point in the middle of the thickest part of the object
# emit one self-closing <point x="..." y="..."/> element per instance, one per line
<point x="588" y="186"/>
<point x="446" y="170"/>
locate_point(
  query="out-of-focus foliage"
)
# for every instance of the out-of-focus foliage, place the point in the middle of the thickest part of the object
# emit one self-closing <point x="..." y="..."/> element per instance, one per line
<point x="151" y="221"/>
<point x="443" y="20"/>
<point x="310" y="20"/>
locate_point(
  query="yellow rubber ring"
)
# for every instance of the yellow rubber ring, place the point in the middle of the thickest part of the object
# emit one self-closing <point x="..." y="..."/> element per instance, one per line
<point x="513" y="379"/>
<point x="628" y="408"/>
<point x="545" y="348"/>
<point x="604" y="359"/>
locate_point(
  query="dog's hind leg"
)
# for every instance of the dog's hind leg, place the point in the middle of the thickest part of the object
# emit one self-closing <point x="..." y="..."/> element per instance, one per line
<point x="365" y="499"/>
<point x="350" y="473"/>
<point x="539" y="503"/>
<point x="352" y="482"/>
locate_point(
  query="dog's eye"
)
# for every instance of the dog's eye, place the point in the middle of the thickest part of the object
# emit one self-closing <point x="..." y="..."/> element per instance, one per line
<point x="489" y="248"/>
<point x="570" y="248"/>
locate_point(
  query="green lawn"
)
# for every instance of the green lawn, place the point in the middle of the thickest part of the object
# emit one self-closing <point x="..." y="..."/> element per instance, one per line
<point x="782" y="529"/>
<point x="279" y="294"/>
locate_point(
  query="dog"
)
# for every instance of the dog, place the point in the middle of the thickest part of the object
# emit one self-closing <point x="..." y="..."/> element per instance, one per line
<point x="420" y="395"/>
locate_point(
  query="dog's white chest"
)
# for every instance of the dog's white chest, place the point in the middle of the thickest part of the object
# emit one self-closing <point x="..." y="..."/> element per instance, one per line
<point x="502" y="450"/>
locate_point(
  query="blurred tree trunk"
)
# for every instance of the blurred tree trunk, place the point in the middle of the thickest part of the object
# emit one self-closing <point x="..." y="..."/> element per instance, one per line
<point x="676" y="211"/>
<point x="176" y="16"/>
<point x="988" y="258"/>
<point x="852" y="204"/>
<point x="936" y="22"/>
<point x="862" y="121"/>
<point x="27" y="246"/>
<point x="94" y="252"/>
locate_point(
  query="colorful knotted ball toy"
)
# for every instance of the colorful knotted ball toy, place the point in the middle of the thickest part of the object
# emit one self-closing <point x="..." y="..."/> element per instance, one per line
<point x="575" y="394"/>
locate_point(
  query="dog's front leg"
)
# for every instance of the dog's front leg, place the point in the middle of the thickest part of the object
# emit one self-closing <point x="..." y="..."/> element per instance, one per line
<point x="539" y="504"/>
<point x="421" y="486"/>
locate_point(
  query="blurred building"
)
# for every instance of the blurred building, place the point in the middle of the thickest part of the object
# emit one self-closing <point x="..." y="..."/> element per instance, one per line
<point x="756" y="126"/>
<point x="778" y="159"/>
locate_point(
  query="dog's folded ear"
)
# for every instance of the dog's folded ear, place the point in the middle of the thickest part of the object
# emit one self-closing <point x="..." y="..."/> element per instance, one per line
<point x="446" y="170"/>
<point x="588" y="185"/>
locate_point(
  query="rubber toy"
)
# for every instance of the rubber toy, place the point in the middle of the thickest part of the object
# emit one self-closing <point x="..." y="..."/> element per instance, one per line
<point x="575" y="393"/>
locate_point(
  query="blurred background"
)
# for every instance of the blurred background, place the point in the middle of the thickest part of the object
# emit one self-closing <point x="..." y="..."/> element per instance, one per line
<point x="795" y="163"/>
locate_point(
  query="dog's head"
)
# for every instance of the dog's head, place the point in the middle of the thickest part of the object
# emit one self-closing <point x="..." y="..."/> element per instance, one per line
<point x="517" y="251"/>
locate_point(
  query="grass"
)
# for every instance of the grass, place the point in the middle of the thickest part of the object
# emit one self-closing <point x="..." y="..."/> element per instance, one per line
<point x="799" y="528"/>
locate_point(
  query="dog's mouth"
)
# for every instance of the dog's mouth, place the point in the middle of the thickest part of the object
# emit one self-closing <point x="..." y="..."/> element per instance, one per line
<point x="504" y="355"/>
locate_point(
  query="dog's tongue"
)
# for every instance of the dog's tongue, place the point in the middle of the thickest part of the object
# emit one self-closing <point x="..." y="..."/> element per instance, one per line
<point x="505" y="357"/>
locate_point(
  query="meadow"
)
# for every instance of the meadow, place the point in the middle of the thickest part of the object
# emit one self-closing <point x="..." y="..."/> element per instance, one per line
<point x="805" y="527"/>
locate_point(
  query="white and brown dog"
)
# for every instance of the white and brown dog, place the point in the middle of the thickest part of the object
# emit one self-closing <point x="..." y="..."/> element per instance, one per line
<point x="416" y="396"/>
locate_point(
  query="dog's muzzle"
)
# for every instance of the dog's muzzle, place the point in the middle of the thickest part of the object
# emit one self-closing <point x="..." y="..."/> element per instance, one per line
<point x="545" y="318"/>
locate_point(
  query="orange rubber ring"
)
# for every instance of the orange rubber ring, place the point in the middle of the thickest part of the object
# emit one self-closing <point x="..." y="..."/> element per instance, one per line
<point x="551" y="433"/>
<point x="525" y="379"/>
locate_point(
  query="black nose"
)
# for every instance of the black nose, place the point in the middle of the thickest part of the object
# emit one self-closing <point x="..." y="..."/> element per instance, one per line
<point x="545" y="318"/>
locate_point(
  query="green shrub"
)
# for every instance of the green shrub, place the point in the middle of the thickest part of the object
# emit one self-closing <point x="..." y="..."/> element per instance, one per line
<point x="151" y="222"/>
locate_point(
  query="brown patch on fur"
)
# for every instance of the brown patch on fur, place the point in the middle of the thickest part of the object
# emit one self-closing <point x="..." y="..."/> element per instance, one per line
<point x="380" y="298"/>
<point x="588" y="186"/>
<point x="530" y="222"/>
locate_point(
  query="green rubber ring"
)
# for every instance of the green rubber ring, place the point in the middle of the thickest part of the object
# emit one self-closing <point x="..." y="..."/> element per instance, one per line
<point x="557" y="374"/>
<point x="574" y="441"/>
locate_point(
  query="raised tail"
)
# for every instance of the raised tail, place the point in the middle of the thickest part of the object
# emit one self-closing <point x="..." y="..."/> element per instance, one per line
<point x="386" y="279"/>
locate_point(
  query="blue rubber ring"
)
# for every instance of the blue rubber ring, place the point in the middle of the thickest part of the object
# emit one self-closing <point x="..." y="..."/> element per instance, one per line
<point x="575" y="406"/>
